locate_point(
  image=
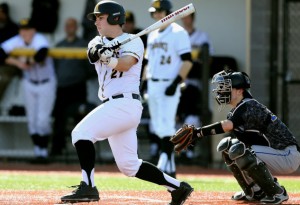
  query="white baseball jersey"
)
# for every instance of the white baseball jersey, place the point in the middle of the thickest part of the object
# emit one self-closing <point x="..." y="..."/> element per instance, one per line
<point x="164" y="63"/>
<point x="39" y="84"/>
<point x="163" y="51"/>
<point x="113" y="82"/>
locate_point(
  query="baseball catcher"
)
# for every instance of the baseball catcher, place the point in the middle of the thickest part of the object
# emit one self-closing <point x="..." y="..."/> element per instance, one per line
<point x="260" y="144"/>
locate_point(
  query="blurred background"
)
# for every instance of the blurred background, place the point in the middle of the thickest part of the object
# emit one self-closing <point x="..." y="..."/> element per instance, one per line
<point x="262" y="38"/>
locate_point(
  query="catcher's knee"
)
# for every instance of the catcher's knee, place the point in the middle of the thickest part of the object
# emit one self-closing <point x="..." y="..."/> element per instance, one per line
<point x="226" y="143"/>
<point x="242" y="156"/>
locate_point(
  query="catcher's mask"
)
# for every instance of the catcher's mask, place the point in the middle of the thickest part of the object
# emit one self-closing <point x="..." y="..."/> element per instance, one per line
<point x="223" y="83"/>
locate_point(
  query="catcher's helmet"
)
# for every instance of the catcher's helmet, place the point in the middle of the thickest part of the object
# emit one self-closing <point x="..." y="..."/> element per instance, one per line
<point x="160" y="5"/>
<point x="225" y="81"/>
<point x="116" y="12"/>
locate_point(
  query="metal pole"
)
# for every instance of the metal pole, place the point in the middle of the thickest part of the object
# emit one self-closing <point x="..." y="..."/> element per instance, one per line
<point x="205" y="112"/>
<point x="285" y="42"/>
<point x="273" y="61"/>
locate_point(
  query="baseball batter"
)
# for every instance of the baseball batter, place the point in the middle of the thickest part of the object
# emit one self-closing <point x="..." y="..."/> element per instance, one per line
<point x="169" y="61"/>
<point x="260" y="143"/>
<point x="117" y="118"/>
<point x="39" y="83"/>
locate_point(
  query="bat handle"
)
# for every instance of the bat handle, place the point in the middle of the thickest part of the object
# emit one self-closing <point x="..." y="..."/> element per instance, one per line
<point x="125" y="41"/>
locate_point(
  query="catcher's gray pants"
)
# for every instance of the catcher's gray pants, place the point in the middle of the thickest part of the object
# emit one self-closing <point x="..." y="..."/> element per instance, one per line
<point x="278" y="161"/>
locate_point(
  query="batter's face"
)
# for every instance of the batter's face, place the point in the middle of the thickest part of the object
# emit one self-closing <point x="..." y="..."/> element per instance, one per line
<point x="102" y="25"/>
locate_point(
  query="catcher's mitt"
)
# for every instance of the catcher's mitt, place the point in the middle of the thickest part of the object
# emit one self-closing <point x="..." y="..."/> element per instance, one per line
<point x="184" y="137"/>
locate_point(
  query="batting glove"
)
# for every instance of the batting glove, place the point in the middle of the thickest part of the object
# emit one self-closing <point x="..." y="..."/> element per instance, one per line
<point x="93" y="52"/>
<point x="105" y="53"/>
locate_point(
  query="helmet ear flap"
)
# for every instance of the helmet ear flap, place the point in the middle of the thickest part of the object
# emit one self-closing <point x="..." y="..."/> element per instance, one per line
<point x="247" y="80"/>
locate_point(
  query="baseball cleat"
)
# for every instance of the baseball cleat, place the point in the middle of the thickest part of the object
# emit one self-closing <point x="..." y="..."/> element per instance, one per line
<point x="82" y="193"/>
<point x="181" y="194"/>
<point x="277" y="198"/>
<point x="241" y="196"/>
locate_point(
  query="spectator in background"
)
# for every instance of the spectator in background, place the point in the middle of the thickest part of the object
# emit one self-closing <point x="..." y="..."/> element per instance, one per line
<point x="189" y="109"/>
<point x="72" y="75"/>
<point x="8" y="28"/>
<point x="39" y="83"/>
<point x="130" y="26"/>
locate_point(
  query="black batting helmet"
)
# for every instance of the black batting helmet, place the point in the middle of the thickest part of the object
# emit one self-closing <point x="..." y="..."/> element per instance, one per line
<point x="160" y="5"/>
<point x="116" y="12"/>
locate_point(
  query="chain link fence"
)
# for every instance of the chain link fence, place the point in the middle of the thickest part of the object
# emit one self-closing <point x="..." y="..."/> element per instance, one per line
<point x="291" y="56"/>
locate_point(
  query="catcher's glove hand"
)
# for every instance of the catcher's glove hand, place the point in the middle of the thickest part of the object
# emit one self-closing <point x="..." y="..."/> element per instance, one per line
<point x="185" y="137"/>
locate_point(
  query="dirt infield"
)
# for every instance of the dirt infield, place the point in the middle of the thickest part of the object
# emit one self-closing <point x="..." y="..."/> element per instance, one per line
<point x="120" y="197"/>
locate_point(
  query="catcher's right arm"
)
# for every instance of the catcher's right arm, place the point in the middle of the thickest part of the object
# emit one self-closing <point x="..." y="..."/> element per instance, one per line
<point x="185" y="136"/>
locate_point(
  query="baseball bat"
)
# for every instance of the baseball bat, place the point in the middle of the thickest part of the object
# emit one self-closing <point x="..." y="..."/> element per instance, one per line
<point x="178" y="14"/>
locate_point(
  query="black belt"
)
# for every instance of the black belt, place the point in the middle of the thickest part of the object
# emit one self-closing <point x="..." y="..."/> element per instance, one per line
<point x="134" y="96"/>
<point x="157" y="80"/>
<point x="36" y="82"/>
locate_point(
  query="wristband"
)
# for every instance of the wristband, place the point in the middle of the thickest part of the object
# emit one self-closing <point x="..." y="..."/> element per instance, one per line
<point x="212" y="129"/>
<point x="113" y="62"/>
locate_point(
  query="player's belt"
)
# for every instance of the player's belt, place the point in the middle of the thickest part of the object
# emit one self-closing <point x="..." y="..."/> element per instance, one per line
<point x="134" y="96"/>
<point x="159" y="80"/>
<point x="36" y="82"/>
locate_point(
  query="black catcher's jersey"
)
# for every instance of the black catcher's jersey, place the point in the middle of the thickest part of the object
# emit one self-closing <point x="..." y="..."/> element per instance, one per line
<point x="255" y="124"/>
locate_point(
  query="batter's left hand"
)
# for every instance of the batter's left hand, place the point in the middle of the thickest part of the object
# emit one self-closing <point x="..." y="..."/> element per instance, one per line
<point x="115" y="46"/>
<point x="105" y="54"/>
<point x="170" y="91"/>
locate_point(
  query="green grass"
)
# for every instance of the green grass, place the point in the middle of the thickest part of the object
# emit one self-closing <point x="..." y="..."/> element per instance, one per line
<point x="57" y="181"/>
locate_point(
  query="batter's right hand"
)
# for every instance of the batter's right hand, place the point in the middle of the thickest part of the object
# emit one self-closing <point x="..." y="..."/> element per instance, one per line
<point x="93" y="52"/>
<point x="170" y="91"/>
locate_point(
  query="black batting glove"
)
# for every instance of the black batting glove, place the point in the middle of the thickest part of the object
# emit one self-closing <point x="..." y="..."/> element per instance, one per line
<point x="171" y="89"/>
<point x="93" y="52"/>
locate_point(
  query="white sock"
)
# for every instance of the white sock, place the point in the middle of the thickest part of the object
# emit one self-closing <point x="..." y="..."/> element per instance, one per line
<point x="86" y="179"/>
<point x="172" y="181"/>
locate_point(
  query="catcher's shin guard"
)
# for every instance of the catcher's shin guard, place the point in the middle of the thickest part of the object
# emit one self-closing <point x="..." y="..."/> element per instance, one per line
<point x="247" y="161"/>
<point x="245" y="183"/>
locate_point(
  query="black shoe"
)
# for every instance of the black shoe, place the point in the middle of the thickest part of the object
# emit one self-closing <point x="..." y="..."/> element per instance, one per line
<point x="276" y="199"/>
<point x="82" y="193"/>
<point x="181" y="194"/>
<point x="241" y="196"/>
